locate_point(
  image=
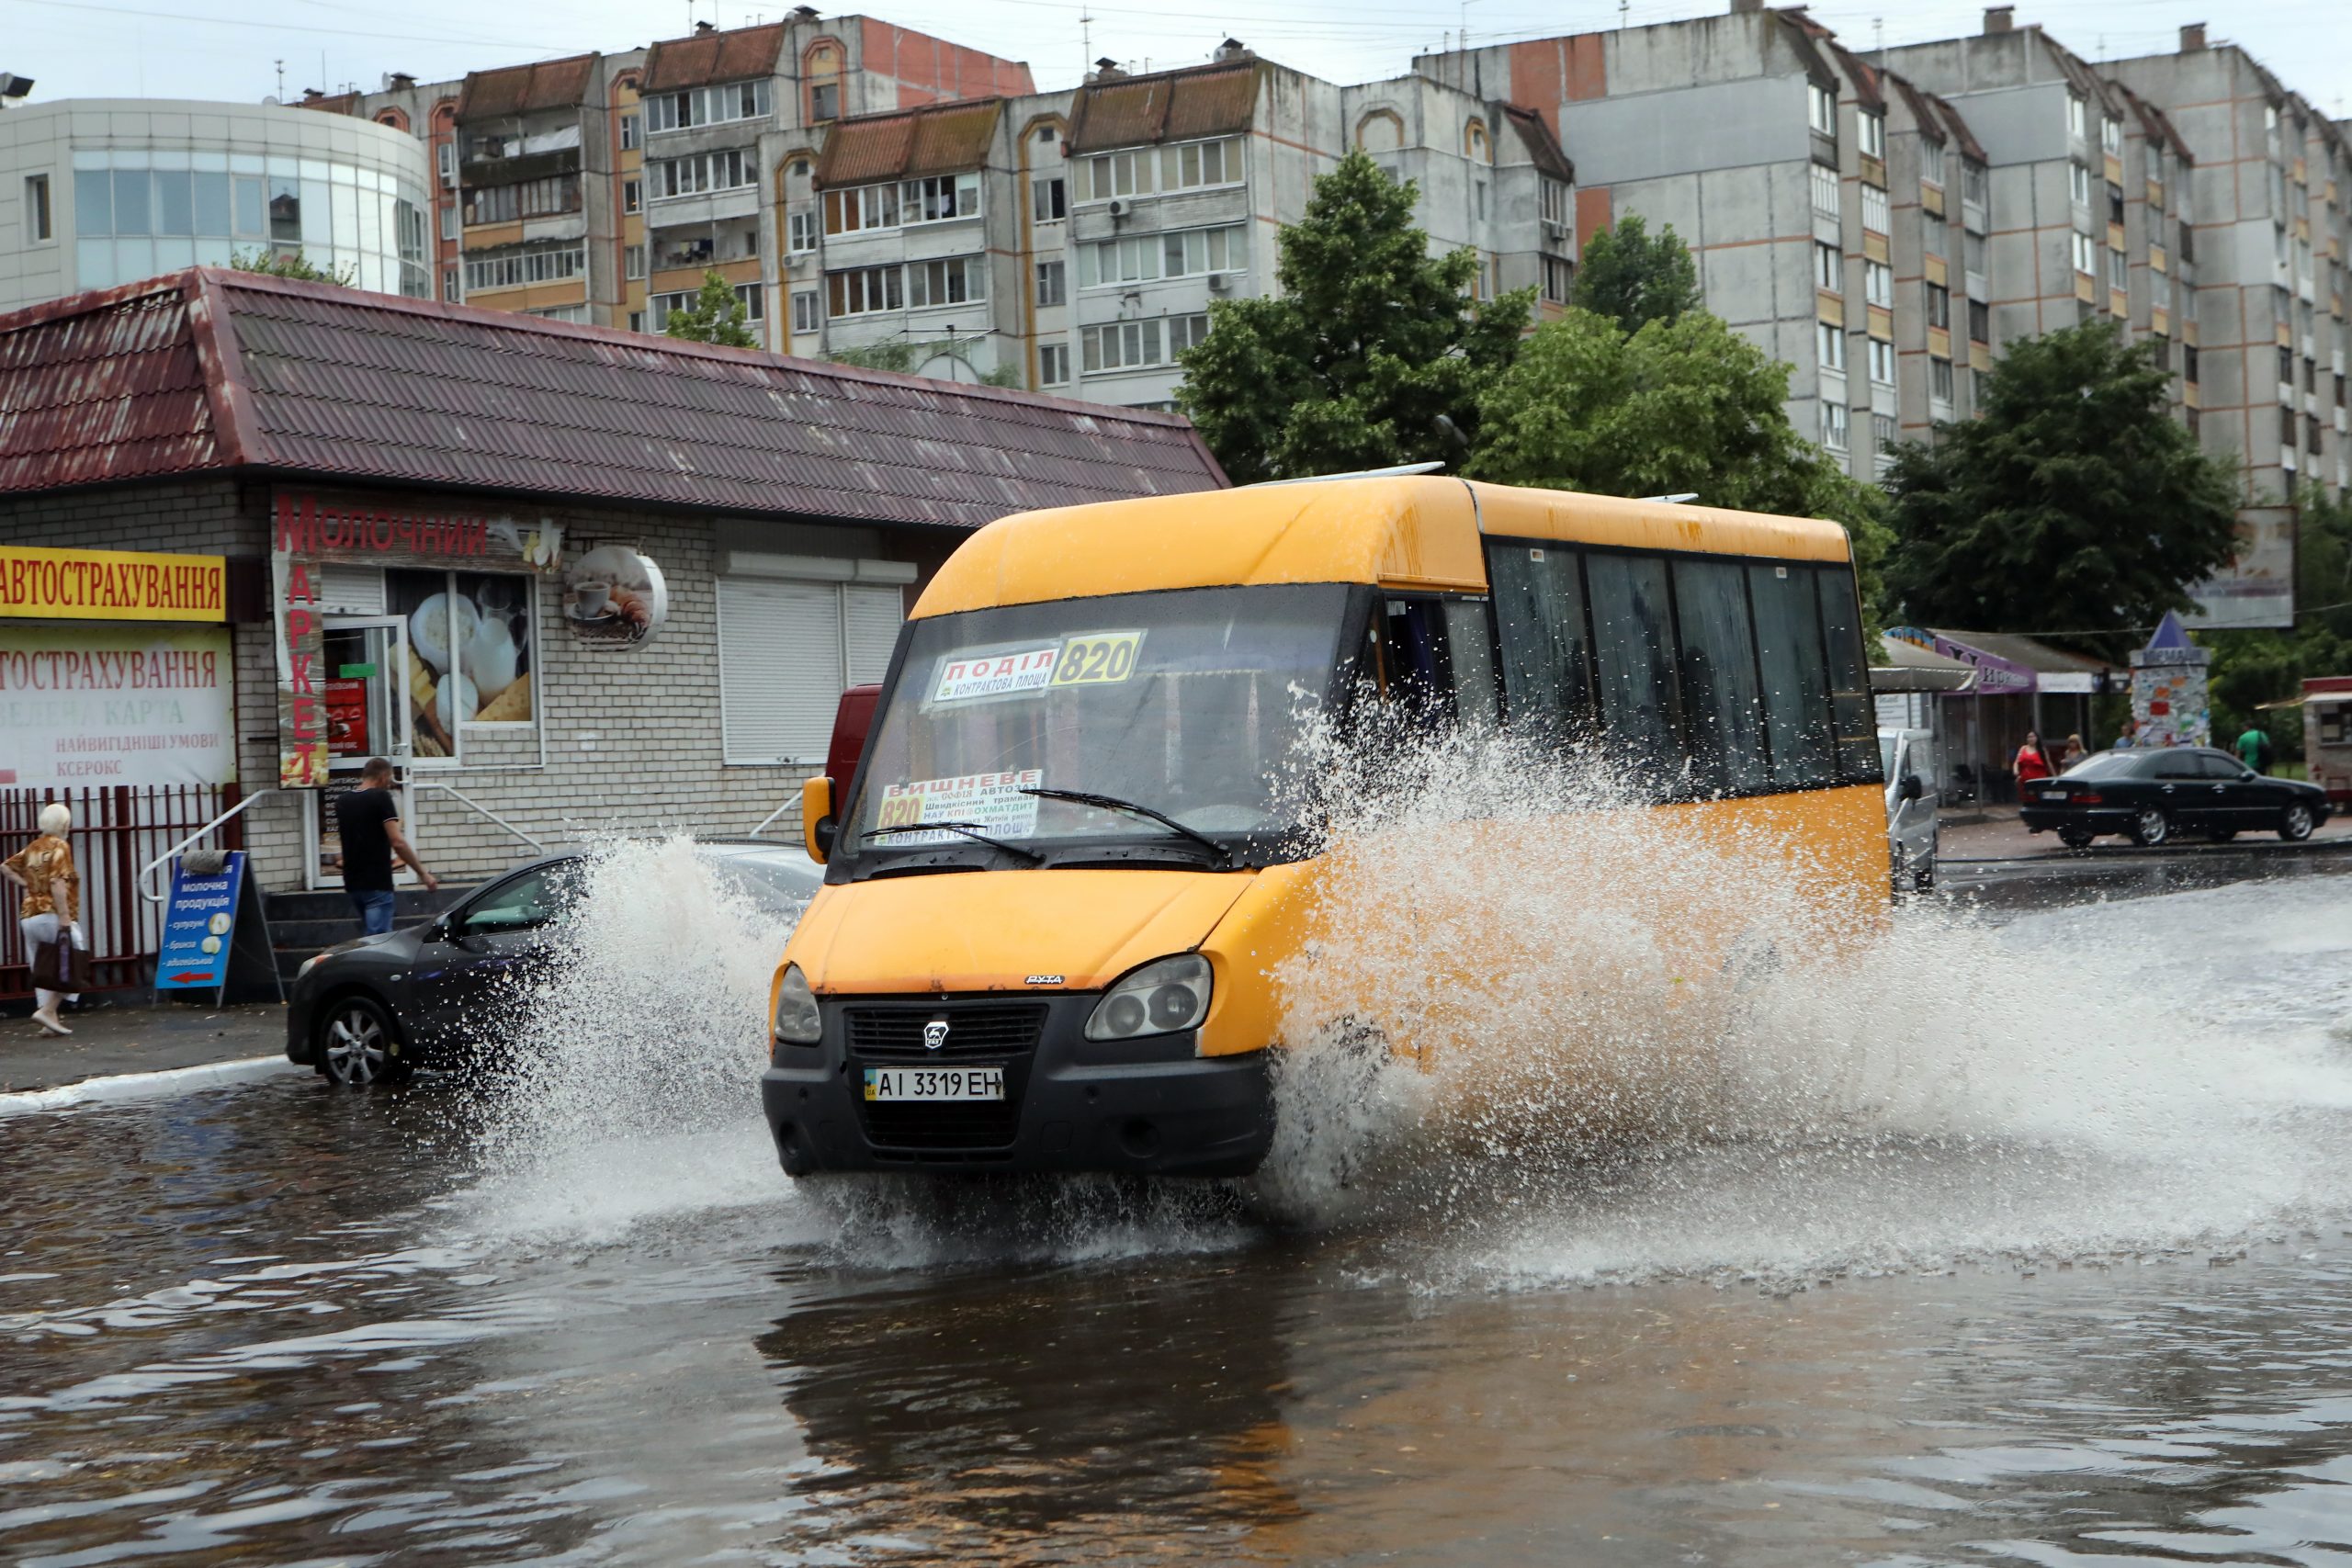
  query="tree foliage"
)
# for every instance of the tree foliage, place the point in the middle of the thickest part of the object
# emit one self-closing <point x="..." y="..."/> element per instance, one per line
<point x="717" y="315"/>
<point x="2073" y="500"/>
<point x="1370" y="340"/>
<point x="1633" y="277"/>
<point x="290" y="264"/>
<point x="1680" y="406"/>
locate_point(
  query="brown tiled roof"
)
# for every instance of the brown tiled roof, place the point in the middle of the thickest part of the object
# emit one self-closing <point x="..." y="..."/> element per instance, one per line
<point x="212" y="370"/>
<point x="938" y="138"/>
<point x="520" y="89"/>
<point x="1542" y="147"/>
<point x="1174" y="106"/>
<point x="1868" y="90"/>
<point x="704" y="58"/>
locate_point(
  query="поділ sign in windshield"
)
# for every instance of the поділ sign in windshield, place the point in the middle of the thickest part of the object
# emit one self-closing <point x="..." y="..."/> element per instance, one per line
<point x="991" y="802"/>
<point x="1088" y="659"/>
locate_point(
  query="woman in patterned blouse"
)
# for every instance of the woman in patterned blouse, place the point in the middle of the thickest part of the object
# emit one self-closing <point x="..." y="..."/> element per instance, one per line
<point x="52" y="893"/>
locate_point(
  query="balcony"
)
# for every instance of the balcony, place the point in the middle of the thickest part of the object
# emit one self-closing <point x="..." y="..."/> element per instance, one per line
<point x="670" y="252"/>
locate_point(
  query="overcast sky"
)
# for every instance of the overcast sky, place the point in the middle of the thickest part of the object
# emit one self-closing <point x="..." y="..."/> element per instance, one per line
<point x="232" y="48"/>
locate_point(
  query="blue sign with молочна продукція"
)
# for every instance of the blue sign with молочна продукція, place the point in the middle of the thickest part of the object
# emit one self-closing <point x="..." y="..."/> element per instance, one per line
<point x="199" y="918"/>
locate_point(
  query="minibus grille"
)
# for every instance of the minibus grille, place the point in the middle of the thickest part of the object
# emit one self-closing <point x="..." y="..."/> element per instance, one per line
<point x="896" y="1033"/>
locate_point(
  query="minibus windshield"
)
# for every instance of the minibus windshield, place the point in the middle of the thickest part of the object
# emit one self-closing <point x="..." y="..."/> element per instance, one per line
<point x="1189" y="702"/>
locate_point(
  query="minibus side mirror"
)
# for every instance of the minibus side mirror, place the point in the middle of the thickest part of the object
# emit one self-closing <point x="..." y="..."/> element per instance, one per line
<point x="852" y="722"/>
<point x="1911" y="788"/>
<point x="818" y="829"/>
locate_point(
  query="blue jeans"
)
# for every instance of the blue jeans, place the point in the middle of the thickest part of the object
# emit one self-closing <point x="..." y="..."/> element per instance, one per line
<point x="375" y="907"/>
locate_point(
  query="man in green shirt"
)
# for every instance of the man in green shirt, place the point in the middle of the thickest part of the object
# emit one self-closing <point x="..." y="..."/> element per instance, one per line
<point x="2254" y="750"/>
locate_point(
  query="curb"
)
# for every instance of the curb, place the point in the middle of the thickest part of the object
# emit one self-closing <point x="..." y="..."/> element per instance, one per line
<point x="108" y="1087"/>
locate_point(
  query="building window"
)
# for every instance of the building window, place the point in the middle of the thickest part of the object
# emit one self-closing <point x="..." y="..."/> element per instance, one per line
<point x="2114" y="203"/>
<point x="2078" y="186"/>
<point x="637" y="321"/>
<point x="1882" y="435"/>
<point x="1874" y="210"/>
<point x="1053" y="364"/>
<point x="1825" y="191"/>
<point x="800" y="230"/>
<point x="1188" y="166"/>
<point x="632" y="196"/>
<point x="1474" y="145"/>
<point x="452" y="289"/>
<point x="1939" y="382"/>
<point x="1833" y="426"/>
<point x="956" y="280"/>
<point x="2188" y="364"/>
<point x="521" y="269"/>
<point x="805" y="315"/>
<point x="939" y="198"/>
<point x="1559" y="279"/>
<point x="1821" y="109"/>
<point x="2119" y="272"/>
<point x="632" y="261"/>
<point x="824" y="102"/>
<point x="1939" y="306"/>
<point x="1128" y="345"/>
<point x="2085" y="253"/>
<point x="1980" y="321"/>
<point x="1479" y="204"/>
<point x="1830" y="343"/>
<point x="1931" y="161"/>
<point x="2077" y="119"/>
<point x="1828" y="267"/>
<point x="864" y="290"/>
<point x="1049" y="200"/>
<point x="446" y="157"/>
<point x="1053" y="283"/>
<point x="661" y="306"/>
<point x="861" y="208"/>
<point x="789" y="647"/>
<point x="1873" y="135"/>
<point x="1551" y="198"/>
<point x="37" y="214"/>
<point x="1881" y="362"/>
<point x="729" y="170"/>
<point x="1975" y="181"/>
<point x="1878" y="284"/>
<point x="449" y="223"/>
<point x="1140" y="258"/>
<point x="703" y="106"/>
<point x="2110" y="135"/>
<point x="1045" y="134"/>
<point x="632" y="132"/>
<point x="524" y="198"/>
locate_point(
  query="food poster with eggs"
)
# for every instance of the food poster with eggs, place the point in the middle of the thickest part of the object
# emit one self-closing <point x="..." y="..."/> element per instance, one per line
<point x="469" y="651"/>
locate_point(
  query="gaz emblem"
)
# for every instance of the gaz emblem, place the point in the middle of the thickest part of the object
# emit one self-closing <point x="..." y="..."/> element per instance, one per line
<point x="934" y="1035"/>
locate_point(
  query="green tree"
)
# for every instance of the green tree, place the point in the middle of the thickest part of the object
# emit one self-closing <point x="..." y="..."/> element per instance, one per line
<point x="2073" y="500"/>
<point x="290" y="264"/>
<point x="1371" y="355"/>
<point x="1680" y="406"/>
<point x="717" y="315"/>
<point x="1632" y="277"/>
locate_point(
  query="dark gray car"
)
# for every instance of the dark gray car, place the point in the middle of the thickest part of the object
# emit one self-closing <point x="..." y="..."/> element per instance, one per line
<point x="378" y="1008"/>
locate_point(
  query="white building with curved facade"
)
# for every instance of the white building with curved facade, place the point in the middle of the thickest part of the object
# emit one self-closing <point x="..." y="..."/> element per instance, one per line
<point x="95" y="192"/>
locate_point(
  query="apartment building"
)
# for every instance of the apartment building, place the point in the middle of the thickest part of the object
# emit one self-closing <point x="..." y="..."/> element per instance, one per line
<point x="2266" y="231"/>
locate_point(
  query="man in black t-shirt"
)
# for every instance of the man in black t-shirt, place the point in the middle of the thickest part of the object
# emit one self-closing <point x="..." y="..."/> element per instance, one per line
<point x="368" y="822"/>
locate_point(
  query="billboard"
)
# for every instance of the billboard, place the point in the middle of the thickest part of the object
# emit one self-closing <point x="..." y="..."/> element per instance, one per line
<point x="2258" y="590"/>
<point x="96" y="703"/>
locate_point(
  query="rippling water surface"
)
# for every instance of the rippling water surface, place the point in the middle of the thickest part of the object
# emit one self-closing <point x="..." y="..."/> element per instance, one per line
<point x="2077" y="1287"/>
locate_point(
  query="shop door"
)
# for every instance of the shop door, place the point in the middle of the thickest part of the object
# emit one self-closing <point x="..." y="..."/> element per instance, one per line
<point x="366" y="686"/>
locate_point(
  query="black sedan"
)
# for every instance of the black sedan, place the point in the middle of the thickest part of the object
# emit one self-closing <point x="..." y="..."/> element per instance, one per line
<point x="376" y="1008"/>
<point x="2154" y="796"/>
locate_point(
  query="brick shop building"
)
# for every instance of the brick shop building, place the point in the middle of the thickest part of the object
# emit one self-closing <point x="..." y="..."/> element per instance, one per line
<point x="574" y="579"/>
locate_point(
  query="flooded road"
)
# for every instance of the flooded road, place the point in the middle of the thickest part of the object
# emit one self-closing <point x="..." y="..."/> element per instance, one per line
<point x="2105" y="1312"/>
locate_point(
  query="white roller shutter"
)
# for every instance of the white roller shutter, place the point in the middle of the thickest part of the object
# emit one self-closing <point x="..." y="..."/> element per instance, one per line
<point x="780" y="668"/>
<point x="873" y="615"/>
<point x="349" y="590"/>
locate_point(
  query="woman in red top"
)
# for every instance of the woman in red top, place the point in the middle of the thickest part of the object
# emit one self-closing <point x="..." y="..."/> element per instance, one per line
<point x="2032" y="761"/>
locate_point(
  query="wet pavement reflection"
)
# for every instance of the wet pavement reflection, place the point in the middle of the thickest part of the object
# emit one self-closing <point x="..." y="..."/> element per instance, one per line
<point x="274" y="1323"/>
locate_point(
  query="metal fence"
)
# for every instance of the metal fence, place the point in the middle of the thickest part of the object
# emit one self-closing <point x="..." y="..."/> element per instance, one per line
<point x="117" y="830"/>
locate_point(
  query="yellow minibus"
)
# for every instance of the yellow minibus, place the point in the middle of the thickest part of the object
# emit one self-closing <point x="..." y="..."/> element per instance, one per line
<point x="1059" y="892"/>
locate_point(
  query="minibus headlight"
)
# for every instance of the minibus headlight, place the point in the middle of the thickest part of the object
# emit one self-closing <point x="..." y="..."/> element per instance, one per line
<point x="797" y="1022"/>
<point x="1161" y="998"/>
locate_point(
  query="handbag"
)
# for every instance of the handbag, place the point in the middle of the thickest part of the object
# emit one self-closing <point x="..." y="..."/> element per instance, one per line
<point x="64" y="965"/>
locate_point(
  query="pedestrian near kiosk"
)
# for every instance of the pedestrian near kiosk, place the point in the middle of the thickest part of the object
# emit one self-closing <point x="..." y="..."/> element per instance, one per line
<point x="2254" y="749"/>
<point x="2075" y="752"/>
<point x="368" y="820"/>
<point x="2129" y="736"/>
<point x="2032" y="763"/>
<point x="51" y="907"/>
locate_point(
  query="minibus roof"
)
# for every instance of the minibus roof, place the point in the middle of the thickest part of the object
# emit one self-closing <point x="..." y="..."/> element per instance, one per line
<point x="1414" y="532"/>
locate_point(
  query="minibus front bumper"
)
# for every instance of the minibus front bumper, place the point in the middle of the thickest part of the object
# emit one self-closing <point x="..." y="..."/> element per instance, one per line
<point x="1147" y="1107"/>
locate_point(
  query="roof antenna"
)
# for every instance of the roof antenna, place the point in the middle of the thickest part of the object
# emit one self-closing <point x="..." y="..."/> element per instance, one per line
<point x="1621" y="6"/>
<point x="281" y="81"/>
<point x="1086" y="35"/>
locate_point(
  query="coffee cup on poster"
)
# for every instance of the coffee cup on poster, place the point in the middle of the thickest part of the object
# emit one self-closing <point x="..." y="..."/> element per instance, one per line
<point x="590" y="599"/>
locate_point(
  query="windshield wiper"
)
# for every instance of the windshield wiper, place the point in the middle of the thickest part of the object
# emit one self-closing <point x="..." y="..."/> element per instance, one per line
<point x="1113" y="803"/>
<point x="969" y="829"/>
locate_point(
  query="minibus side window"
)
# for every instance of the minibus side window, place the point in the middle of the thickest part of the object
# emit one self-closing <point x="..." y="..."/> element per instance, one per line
<point x="1437" y="656"/>
<point x="1720" y="696"/>
<point x="1851" y="712"/>
<point x="1470" y="649"/>
<point x="1796" y="675"/>
<point x="1538" y="606"/>
<point x="1633" y="657"/>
